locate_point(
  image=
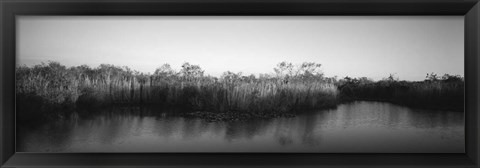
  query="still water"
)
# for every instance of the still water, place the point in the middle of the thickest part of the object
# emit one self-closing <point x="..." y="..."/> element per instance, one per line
<point x="353" y="127"/>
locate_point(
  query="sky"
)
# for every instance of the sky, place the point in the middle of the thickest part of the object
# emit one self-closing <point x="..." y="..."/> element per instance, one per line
<point x="355" y="46"/>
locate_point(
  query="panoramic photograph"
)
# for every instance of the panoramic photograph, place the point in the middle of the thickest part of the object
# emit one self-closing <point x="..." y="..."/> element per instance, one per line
<point x="262" y="84"/>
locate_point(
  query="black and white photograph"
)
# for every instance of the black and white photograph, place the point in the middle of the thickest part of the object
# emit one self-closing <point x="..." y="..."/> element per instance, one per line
<point x="233" y="84"/>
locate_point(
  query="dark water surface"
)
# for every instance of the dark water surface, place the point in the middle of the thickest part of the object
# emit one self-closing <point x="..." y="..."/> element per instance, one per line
<point x="354" y="127"/>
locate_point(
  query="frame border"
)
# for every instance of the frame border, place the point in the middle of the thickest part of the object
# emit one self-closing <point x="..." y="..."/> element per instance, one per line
<point x="470" y="9"/>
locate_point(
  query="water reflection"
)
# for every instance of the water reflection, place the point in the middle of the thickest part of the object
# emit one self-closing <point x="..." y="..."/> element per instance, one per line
<point x="353" y="127"/>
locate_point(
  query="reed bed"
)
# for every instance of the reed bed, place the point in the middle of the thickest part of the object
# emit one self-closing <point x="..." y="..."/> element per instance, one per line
<point x="46" y="87"/>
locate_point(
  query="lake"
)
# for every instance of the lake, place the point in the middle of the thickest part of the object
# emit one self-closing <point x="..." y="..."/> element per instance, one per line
<point x="361" y="126"/>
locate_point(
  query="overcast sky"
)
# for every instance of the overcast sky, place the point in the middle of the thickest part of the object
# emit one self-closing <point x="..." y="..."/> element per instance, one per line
<point x="355" y="46"/>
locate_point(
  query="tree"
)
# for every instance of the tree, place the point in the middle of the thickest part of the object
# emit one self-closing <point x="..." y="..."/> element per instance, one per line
<point x="191" y="71"/>
<point x="306" y="70"/>
<point x="284" y="69"/>
<point x="431" y="77"/>
<point x="231" y="76"/>
<point x="452" y="78"/>
<point x="309" y="70"/>
<point x="363" y="80"/>
<point x="391" y="78"/>
<point x="249" y="78"/>
<point x="165" y="71"/>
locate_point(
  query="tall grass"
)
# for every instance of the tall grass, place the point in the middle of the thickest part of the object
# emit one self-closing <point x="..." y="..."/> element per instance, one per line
<point x="51" y="86"/>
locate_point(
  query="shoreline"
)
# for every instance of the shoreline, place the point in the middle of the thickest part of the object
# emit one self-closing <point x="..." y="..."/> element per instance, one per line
<point x="226" y="116"/>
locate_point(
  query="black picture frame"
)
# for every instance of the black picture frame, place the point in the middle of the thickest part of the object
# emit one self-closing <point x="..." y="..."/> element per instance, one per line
<point x="470" y="9"/>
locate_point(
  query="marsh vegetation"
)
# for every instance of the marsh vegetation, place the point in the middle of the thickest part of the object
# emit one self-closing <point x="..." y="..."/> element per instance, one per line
<point x="435" y="92"/>
<point x="51" y="89"/>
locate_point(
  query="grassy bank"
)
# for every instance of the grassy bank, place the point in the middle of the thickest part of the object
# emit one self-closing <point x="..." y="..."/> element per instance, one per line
<point x="49" y="89"/>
